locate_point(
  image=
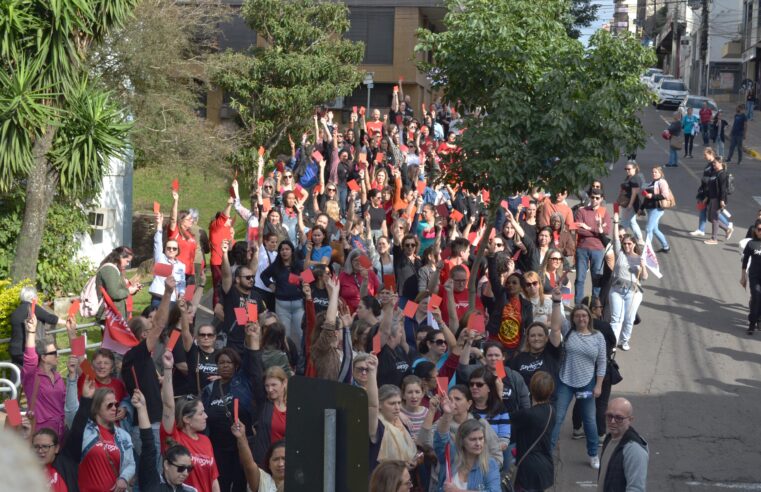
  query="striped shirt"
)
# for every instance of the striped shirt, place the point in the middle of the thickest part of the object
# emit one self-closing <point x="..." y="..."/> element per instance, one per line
<point x="500" y="422"/>
<point x="582" y="354"/>
<point x="415" y="420"/>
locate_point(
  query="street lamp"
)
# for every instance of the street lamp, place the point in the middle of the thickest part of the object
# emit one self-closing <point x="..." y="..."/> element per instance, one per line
<point x="368" y="81"/>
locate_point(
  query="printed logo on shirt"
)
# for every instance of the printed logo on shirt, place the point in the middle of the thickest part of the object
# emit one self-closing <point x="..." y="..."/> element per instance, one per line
<point x="221" y="402"/>
<point x="532" y="367"/>
<point x="202" y="461"/>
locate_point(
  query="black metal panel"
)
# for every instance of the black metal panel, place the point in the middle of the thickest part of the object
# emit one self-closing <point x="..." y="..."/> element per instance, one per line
<point x="374" y="27"/>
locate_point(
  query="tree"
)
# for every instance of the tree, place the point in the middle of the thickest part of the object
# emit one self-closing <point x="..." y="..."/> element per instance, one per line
<point x="582" y="14"/>
<point x="549" y="113"/>
<point x="156" y="65"/>
<point x="304" y="63"/>
<point x="58" y="128"/>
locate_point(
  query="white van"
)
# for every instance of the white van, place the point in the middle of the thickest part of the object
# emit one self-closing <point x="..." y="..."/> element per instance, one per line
<point x="671" y="92"/>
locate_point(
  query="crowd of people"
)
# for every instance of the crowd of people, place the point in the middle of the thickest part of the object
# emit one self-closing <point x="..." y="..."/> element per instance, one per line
<point x="355" y="267"/>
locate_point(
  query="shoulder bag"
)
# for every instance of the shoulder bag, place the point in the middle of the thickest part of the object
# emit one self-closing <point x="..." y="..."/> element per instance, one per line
<point x="667" y="202"/>
<point x="508" y="478"/>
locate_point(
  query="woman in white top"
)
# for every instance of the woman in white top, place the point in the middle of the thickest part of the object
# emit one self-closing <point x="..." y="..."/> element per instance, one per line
<point x="166" y="255"/>
<point x="533" y="290"/>
<point x="260" y="480"/>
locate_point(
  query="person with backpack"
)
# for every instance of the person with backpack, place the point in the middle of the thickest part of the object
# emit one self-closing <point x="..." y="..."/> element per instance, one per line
<point x="110" y="277"/>
<point x="708" y="175"/>
<point x="717" y="199"/>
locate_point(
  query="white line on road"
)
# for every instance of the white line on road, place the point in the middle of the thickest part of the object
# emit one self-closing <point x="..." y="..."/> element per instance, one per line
<point x="587" y="484"/>
<point x="758" y="199"/>
<point x="725" y="485"/>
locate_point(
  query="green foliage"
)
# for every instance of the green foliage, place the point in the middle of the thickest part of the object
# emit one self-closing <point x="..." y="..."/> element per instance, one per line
<point x="550" y="113"/>
<point x="582" y="14"/>
<point x="9" y="301"/>
<point x="58" y="272"/>
<point x="305" y="62"/>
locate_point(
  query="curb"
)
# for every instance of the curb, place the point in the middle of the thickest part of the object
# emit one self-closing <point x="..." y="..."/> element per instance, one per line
<point x="753" y="153"/>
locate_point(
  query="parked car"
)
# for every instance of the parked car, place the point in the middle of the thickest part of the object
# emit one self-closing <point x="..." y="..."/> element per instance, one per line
<point x="645" y="77"/>
<point x="671" y="92"/>
<point x="655" y="79"/>
<point x="696" y="103"/>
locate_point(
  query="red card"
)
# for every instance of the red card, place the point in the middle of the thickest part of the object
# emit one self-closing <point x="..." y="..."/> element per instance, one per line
<point x="472" y="237"/>
<point x="362" y="110"/>
<point x="362" y="157"/>
<point x="404" y="148"/>
<point x="504" y="204"/>
<point x="398" y="118"/>
<point x="501" y="373"/>
<point x="235" y="410"/>
<point x="434" y="302"/>
<point x="190" y="290"/>
<point x="252" y="310"/>
<point x="13" y="412"/>
<point x="477" y="323"/>
<point x="266" y="205"/>
<point x="396" y="88"/>
<point x="443" y="384"/>
<point x="377" y="344"/>
<point x="176" y="185"/>
<point x="616" y="207"/>
<point x="317" y="156"/>
<point x="485" y="195"/>
<point x="339" y="225"/>
<point x="379" y="157"/>
<point x="525" y="201"/>
<point x="307" y="276"/>
<point x="88" y="370"/>
<point x="353" y="186"/>
<point x="443" y="211"/>
<point x="261" y="150"/>
<point x="134" y="377"/>
<point x="317" y="189"/>
<point x="78" y="346"/>
<point x="410" y="309"/>
<point x="446" y="253"/>
<point x="173" y="339"/>
<point x="261" y="181"/>
<point x="241" y="316"/>
<point x="421" y="187"/>
<point x="231" y="191"/>
<point x="517" y="254"/>
<point x="567" y="297"/>
<point x="294" y="279"/>
<point x="73" y="309"/>
<point x="389" y="282"/>
<point x="365" y="262"/>
<point x="33" y="308"/>
<point x="456" y="215"/>
<point x="156" y="207"/>
<point x="162" y="269"/>
<point x="353" y="109"/>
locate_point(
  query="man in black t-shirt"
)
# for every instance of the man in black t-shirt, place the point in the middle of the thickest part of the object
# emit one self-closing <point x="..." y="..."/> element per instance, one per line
<point x="237" y="292"/>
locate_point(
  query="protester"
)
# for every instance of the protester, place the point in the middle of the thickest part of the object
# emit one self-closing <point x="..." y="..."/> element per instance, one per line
<point x="18" y="318"/>
<point x="535" y="469"/>
<point x="624" y="452"/>
<point x="656" y="194"/>
<point x="626" y="290"/>
<point x="110" y="277"/>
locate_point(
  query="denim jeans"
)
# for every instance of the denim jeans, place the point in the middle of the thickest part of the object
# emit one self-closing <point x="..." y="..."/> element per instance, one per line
<point x="291" y="313"/>
<point x="735" y="142"/>
<point x="673" y="156"/>
<point x="719" y="148"/>
<point x="624" y="303"/>
<point x="705" y="129"/>
<point x="629" y="219"/>
<point x="749" y="109"/>
<point x="592" y="259"/>
<point x="653" y="218"/>
<point x="689" y="139"/>
<point x="703" y="218"/>
<point x="567" y="393"/>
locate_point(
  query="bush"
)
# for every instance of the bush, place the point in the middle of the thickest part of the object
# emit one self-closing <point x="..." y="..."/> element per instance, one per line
<point x="9" y="301"/>
<point x="58" y="269"/>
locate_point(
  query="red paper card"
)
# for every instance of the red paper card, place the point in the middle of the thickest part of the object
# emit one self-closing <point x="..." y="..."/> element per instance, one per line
<point x="501" y="373"/>
<point x="317" y="156"/>
<point x="78" y="346"/>
<point x="485" y="195"/>
<point x="443" y="211"/>
<point x="280" y="166"/>
<point x="261" y="181"/>
<point x="404" y="148"/>
<point x="294" y="279"/>
<point x="173" y="339"/>
<point x="389" y="282"/>
<point x="434" y="302"/>
<point x="362" y="110"/>
<point x="472" y="237"/>
<point x="377" y="344"/>
<point x="446" y="253"/>
<point x="241" y="316"/>
<point x="134" y="377"/>
<point x="353" y="186"/>
<point x="353" y="109"/>
<point x="379" y="157"/>
<point x="616" y="207"/>
<point x="261" y="150"/>
<point x="476" y="322"/>
<point x="456" y="215"/>
<point x="339" y="225"/>
<point x="396" y="88"/>
<point x="33" y="308"/>
<point x="443" y="384"/>
<point x="190" y="290"/>
<point x="504" y="204"/>
<point x="176" y="185"/>
<point x="421" y="187"/>
<point x="13" y="412"/>
<point x="73" y="309"/>
<point x="365" y="262"/>
<point x="266" y="205"/>
<point x="517" y="254"/>
<point x="231" y="191"/>
<point x="156" y="207"/>
<point x="235" y="410"/>
<point x="307" y="276"/>
<point x="317" y="189"/>
<point x="398" y="118"/>
<point x="362" y="157"/>
<point x="410" y="309"/>
<point x="567" y="297"/>
<point x="162" y="269"/>
<point x="252" y="310"/>
<point x="525" y="201"/>
<point x="88" y="370"/>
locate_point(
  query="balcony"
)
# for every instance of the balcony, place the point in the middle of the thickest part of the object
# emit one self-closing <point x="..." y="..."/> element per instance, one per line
<point x="732" y="49"/>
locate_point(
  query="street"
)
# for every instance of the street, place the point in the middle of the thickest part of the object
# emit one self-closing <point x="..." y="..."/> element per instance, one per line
<point x="693" y="375"/>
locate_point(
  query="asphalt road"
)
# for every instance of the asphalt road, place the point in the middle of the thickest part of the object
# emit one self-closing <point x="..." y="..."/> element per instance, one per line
<point x="693" y="374"/>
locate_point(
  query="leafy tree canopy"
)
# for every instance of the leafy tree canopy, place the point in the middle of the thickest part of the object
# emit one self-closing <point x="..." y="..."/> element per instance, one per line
<point x="582" y="14"/>
<point x="304" y="62"/>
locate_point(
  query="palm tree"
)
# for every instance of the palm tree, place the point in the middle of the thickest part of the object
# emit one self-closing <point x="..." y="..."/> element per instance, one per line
<point x="58" y="127"/>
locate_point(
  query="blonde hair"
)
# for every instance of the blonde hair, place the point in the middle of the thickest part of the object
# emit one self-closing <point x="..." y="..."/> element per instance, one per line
<point x="333" y="210"/>
<point x="531" y="277"/>
<point x="660" y="171"/>
<point x="277" y="372"/>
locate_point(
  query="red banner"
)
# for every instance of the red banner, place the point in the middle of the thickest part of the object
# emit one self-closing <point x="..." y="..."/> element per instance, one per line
<point x="118" y="336"/>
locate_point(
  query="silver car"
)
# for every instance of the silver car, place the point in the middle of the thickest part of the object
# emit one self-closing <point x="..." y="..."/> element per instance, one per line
<point x="696" y="103"/>
<point x="671" y="92"/>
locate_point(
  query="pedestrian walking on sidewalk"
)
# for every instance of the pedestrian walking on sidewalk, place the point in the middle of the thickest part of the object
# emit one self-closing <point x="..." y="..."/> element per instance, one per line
<point x="718" y="127"/>
<point x="624" y="453"/>
<point x="706" y="115"/>
<point x="709" y="174"/>
<point x="675" y="145"/>
<point x="750" y="101"/>
<point x="717" y="200"/>
<point x="657" y="194"/>
<point x="626" y="290"/>
<point x="752" y="255"/>
<point x="737" y="135"/>
<point x="690" y="124"/>
<point x="629" y="198"/>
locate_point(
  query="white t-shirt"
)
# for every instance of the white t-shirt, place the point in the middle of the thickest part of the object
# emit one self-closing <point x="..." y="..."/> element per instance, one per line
<point x="266" y="483"/>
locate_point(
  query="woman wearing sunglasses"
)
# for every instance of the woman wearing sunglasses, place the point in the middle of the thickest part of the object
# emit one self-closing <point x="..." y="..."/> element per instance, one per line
<point x="108" y="461"/>
<point x="177" y="463"/>
<point x="166" y="255"/>
<point x="626" y="289"/>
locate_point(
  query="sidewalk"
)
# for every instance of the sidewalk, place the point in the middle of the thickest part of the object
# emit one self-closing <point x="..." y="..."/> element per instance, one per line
<point x="752" y="144"/>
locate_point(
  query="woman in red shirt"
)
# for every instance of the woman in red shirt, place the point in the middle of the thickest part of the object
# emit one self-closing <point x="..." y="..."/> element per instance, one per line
<point x="271" y="397"/>
<point x="183" y="423"/>
<point x="357" y="281"/>
<point x="103" y="364"/>
<point x="179" y="230"/>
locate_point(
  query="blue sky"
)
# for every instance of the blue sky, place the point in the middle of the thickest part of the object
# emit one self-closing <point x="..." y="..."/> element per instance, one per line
<point x="604" y="14"/>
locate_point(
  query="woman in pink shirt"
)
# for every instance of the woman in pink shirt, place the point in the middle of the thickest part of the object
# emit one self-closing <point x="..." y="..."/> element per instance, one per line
<point x="44" y="387"/>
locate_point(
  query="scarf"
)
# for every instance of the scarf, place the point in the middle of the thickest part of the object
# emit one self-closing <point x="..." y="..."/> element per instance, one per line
<point x="397" y="444"/>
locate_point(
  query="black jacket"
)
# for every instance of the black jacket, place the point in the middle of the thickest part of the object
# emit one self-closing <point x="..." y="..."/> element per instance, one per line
<point x="615" y="475"/>
<point x="18" y="330"/>
<point x="717" y="188"/>
<point x="500" y="299"/>
<point x="148" y="477"/>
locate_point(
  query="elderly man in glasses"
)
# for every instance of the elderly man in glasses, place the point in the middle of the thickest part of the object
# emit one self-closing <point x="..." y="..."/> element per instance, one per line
<point x="624" y="453"/>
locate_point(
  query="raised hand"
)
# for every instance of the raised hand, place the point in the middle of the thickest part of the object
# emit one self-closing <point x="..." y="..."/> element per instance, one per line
<point x="138" y="400"/>
<point x="167" y="360"/>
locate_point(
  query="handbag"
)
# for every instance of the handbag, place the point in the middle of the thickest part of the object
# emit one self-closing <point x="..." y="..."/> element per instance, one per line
<point x="614" y="370"/>
<point x="675" y="143"/>
<point x="669" y="202"/>
<point x="508" y="478"/>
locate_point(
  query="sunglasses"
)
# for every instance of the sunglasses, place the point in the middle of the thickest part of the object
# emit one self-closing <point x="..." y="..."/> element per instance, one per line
<point x="172" y="248"/>
<point x="268" y="187"/>
<point x="409" y="245"/>
<point x="332" y="189"/>
<point x="556" y="259"/>
<point x="112" y="405"/>
<point x="477" y="384"/>
<point x="363" y="370"/>
<point x="247" y="277"/>
<point x="52" y="352"/>
<point x="619" y="419"/>
<point x="288" y="176"/>
<point x="440" y="342"/>
<point x="206" y="335"/>
<point x="532" y="284"/>
<point x="181" y="468"/>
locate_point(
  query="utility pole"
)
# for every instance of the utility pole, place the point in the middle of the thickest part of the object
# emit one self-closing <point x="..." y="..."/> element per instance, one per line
<point x="704" y="48"/>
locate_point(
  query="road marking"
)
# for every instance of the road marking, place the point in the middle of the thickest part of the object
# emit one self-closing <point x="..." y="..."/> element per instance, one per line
<point x="726" y="485"/>
<point x="587" y="484"/>
<point x="758" y="199"/>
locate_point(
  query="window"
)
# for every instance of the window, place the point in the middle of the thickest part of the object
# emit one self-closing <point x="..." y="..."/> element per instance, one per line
<point x="101" y="218"/>
<point x="235" y="34"/>
<point x="673" y="86"/>
<point x="374" y="27"/>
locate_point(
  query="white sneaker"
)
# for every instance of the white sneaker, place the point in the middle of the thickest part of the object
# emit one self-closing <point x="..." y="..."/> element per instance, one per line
<point x="625" y="346"/>
<point x="697" y="232"/>
<point x="594" y="462"/>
